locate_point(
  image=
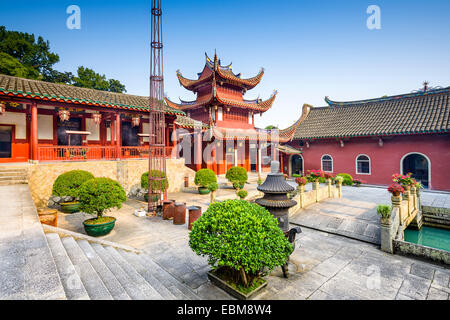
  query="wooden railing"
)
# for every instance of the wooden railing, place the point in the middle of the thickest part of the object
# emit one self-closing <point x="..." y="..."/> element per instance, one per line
<point x="66" y="153"/>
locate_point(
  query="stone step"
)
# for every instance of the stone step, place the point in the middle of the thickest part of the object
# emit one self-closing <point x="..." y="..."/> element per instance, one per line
<point x="176" y="287"/>
<point x="13" y="174"/>
<point x="112" y="284"/>
<point x="9" y="170"/>
<point x="13" y="182"/>
<point x="146" y="288"/>
<point x="73" y="286"/>
<point x="90" y="278"/>
<point x="148" y="274"/>
<point x="133" y="291"/>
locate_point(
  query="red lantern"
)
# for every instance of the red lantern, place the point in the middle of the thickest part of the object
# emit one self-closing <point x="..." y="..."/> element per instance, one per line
<point x="97" y="118"/>
<point x="64" y="115"/>
<point x="135" y="121"/>
<point x="2" y="108"/>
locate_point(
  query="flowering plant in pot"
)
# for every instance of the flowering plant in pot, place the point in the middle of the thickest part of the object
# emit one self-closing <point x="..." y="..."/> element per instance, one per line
<point x="396" y="189"/>
<point x="301" y="181"/>
<point x="404" y="180"/>
<point x="328" y="176"/>
<point x="315" y="175"/>
<point x="97" y="196"/>
<point x="358" y="182"/>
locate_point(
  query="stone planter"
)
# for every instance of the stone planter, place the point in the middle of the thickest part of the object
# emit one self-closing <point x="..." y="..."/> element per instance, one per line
<point x="232" y="291"/>
<point x="70" y="207"/>
<point x="48" y="216"/>
<point x="203" y="190"/>
<point x="98" y="230"/>
<point x="386" y="221"/>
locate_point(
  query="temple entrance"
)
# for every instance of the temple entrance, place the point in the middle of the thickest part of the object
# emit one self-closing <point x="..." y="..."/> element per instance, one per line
<point x="419" y="166"/>
<point x="297" y="165"/>
<point x="6" y="141"/>
<point x="130" y="136"/>
<point x="74" y="124"/>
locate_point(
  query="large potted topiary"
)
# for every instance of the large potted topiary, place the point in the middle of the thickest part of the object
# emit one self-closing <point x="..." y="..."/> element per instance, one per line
<point x="243" y="244"/>
<point x="237" y="176"/>
<point x="203" y="178"/>
<point x="67" y="186"/>
<point x="97" y="196"/>
<point x="156" y="187"/>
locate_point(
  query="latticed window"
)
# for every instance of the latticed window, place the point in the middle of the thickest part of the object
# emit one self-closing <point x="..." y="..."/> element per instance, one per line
<point x="327" y="163"/>
<point x="363" y="164"/>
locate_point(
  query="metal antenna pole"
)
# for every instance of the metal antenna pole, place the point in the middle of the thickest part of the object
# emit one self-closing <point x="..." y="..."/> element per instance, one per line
<point x="157" y="124"/>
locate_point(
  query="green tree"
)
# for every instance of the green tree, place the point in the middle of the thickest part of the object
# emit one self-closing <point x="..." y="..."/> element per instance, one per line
<point x="88" y="78"/>
<point x="11" y="66"/>
<point x="271" y="127"/>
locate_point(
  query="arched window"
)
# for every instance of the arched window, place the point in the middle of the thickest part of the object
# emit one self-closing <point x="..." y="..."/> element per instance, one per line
<point x="327" y="163"/>
<point x="363" y="164"/>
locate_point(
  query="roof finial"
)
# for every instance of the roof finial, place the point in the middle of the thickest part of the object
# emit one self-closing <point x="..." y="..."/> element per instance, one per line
<point x="425" y="86"/>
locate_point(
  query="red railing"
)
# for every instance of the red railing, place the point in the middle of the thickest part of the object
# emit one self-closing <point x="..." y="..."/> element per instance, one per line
<point x="65" y="153"/>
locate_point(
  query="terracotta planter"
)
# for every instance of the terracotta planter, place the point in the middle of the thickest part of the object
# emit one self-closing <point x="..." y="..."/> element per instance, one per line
<point x="179" y="216"/>
<point x="48" y="216"/>
<point x="232" y="291"/>
<point x="70" y="207"/>
<point x="194" y="213"/>
<point x="98" y="230"/>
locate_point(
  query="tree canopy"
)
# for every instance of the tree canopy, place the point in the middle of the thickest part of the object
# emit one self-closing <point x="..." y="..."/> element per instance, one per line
<point x="22" y="55"/>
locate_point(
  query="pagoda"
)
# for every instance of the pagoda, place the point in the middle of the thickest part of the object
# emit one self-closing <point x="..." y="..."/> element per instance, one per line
<point x="220" y="104"/>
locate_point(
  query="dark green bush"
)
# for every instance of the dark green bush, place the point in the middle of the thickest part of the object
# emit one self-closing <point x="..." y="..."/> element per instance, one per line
<point x="204" y="177"/>
<point x="240" y="237"/>
<point x="213" y="186"/>
<point x="237" y="175"/>
<point x="157" y="185"/>
<point x="99" y="195"/>
<point x="68" y="183"/>
<point x="242" y="194"/>
<point x="348" y="180"/>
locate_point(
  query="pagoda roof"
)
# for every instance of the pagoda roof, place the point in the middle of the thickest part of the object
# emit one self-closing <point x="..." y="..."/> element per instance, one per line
<point x="422" y="112"/>
<point x="243" y="134"/>
<point x="187" y="122"/>
<point x="214" y="70"/>
<point x="47" y="91"/>
<point x="215" y="97"/>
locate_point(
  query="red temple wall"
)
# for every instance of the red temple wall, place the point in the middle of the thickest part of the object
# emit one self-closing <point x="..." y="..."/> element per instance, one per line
<point x="385" y="160"/>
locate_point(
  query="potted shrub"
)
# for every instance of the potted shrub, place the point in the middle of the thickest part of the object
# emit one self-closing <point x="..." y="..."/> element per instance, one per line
<point x="212" y="187"/>
<point x="348" y="179"/>
<point x="237" y="176"/>
<point x="203" y="178"/>
<point x="384" y="211"/>
<point x="243" y="244"/>
<point x="396" y="189"/>
<point x="96" y="197"/>
<point x="242" y="194"/>
<point x="67" y="185"/>
<point x="156" y="187"/>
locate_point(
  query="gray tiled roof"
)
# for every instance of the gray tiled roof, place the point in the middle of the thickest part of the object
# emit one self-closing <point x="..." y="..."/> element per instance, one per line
<point x="416" y="113"/>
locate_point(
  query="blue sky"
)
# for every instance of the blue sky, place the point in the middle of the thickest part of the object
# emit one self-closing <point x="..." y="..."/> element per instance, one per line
<point x="309" y="49"/>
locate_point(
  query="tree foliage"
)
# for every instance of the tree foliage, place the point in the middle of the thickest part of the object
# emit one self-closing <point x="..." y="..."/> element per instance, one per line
<point x="68" y="183"/>
<point x="204" y="177"/>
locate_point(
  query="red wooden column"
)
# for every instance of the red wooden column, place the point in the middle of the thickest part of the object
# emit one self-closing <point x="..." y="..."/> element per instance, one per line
<point x="34" y="131"/>
<point x="119" y="136"/>
<point x="111" y="130"/>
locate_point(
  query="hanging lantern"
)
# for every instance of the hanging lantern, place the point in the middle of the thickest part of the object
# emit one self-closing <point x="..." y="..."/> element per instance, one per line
<point x="135" y="121"/>
<point x="97" y="118"/>
<point x="2" y="108"/>
<point x="64" y="115"/>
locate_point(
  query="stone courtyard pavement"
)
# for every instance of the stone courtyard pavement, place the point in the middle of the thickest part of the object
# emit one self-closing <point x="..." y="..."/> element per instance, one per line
<point x="354" y="215"/>
<point x="323" y="266"/>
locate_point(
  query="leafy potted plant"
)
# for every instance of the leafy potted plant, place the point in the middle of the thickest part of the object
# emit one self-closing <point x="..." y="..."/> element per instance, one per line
<point x="384" y="211"/>
<point x="212" y="187"/>
<point x="96" y="197"/>
<point x="339" y="180"/>
<point x="67" y="185"/>
<point x="156" y="186"/>
<point x="396" y="189"/>
<point x="237" y="176"/>
<point x="243" y="244"/>
<point x="242" y="194"/>
<point x="203" y="178"/>
<point x="348" y="179"/>
<point x="404" y="180"/>
<point x="301" y="181"/>
<point x="315" y="175"/>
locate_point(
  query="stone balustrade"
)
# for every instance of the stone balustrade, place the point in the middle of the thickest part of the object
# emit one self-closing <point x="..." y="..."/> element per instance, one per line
<point x="317" y="194"/>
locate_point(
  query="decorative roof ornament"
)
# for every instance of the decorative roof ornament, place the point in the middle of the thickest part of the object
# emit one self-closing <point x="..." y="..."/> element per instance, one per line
<point x="64" y="115"/>
<point x="97" y="118"/>
<point x="135" y="121"/>
<point x="427" y="88"/>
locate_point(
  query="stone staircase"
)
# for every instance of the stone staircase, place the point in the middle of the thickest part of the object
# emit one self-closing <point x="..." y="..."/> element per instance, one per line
<point x="62" y="265"/>
<point x="11" y="176"/>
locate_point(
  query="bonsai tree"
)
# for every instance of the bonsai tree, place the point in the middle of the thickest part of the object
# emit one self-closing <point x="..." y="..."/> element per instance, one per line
<point x="237" y="176"/>
<point x="68" y="183"/>
<point x="99" y="195"/>
<point x="242" y="241"/>
<point x="212" y="187"/>
<point x="384" y="211"/>
<point x="203" y="178"/>
<point x="242" y="194"/>
<point x="156" y="186"/>
<point x="348" y="179"/>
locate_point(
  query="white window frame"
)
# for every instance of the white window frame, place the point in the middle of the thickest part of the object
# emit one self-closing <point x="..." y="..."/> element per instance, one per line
<point x="332" y="163"/>
<point x="370" y="165"/>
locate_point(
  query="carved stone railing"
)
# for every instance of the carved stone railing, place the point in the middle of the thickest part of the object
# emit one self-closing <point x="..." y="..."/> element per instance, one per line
<point x="317" y="194"/>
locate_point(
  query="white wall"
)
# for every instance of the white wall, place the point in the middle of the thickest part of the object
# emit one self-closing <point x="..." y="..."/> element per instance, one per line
<point x="93" y="129"/>
<point x="19" y="120"/>
<point x="145" y="129"/>
<point x="45" y="126"/>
